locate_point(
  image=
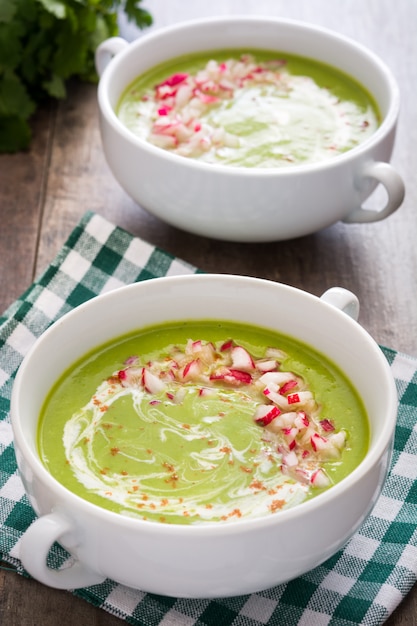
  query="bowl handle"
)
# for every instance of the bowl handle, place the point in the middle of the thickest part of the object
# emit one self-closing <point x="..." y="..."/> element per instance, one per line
<point x="34" y="549"/>
<point x="385" y="174"/>
<point x="344" y="300"/>
<point x="106" y="51"/>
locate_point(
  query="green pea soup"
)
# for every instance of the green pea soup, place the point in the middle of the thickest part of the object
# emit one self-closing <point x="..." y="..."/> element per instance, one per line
<point x="286" y="110"/>
<point x="201" y="458"/>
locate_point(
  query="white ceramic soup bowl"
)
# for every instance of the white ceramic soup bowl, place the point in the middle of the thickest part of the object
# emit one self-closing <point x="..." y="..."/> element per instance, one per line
<point x="245" y="204"/>
<point x="206" y="560"/>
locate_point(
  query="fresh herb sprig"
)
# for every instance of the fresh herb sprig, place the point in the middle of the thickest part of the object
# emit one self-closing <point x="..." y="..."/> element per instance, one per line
<point x="43" y="43"/>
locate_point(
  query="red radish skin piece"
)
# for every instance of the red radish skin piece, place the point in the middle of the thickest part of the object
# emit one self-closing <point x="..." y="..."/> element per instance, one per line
<point x="164" y="110"/>
<point x="293" y="398"/>
<point x="286" y="387"/>
<point x="175" y="79"/>
<point x="239" y="377"/>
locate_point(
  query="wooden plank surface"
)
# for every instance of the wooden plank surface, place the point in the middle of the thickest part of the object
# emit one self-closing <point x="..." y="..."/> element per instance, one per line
<point x="44" y="192"/>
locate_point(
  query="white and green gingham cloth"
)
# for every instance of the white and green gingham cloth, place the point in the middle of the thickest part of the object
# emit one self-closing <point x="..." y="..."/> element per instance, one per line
<point x="361" y="584"/>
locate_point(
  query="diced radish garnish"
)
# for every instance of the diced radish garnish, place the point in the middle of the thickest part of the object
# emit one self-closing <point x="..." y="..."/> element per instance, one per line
<point x="286" y="387"/>
<point x="293" y="398"/>
<point x="275" y="353"/>
<point x="266" y="366"/>
<point x="183" y="95"/>
<point x="192" y="370"/>
<point x="235" y="377"/>
<point x="327" y="425"/>
<point x="301" y="421"/>
<point x="338" y="439"/>
<point x="275" y="397"/>
<point x="318" y="442"/>
<point x="243" y="377"/>
<point x="265" y="413"/>
<point x="131" y="360"/>
<point x="302" y="398"/>
<point x="279" y="378"/>
<point x="175" y="79"/>
<point x="241" y="359"/>
<point x="320" y="479"/>
<point x="288" y="419"/>
<point x="131" y="376"/>
<point x="164" y="110"/>
<point x="290" y="459"/>
<point x="290" y="435"/>
<point x="163" y="141"/>
<point x="152" y="383"/>
<point x="179" y="395"/>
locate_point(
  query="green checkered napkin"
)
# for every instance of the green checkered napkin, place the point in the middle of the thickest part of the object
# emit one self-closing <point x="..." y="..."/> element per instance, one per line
<point x="361" y="584"/>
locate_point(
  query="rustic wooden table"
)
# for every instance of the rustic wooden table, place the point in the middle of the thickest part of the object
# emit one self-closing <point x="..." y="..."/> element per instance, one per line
<point x="44" y="192"/>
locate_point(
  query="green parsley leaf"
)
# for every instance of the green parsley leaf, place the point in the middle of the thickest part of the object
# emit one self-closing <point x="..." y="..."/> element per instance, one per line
<point x="43" y="44"/>
<point x="7" y="10"/>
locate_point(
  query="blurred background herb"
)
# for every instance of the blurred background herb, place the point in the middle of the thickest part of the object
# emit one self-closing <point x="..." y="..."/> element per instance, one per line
<point x="43" y="43"/>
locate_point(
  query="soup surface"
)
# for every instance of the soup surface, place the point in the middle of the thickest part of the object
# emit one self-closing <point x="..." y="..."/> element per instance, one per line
<point x="202" y="422"/>
<point x="252" y="109"/>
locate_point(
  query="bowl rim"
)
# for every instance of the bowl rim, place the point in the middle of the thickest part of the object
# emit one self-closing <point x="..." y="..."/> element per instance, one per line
<point x="75" y="502"/>
<point x="388" y="123"/>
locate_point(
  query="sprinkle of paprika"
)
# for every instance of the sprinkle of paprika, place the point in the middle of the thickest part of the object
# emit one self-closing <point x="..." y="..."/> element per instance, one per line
<point x="276" y="505"/>
<point x="258" y="485"/>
